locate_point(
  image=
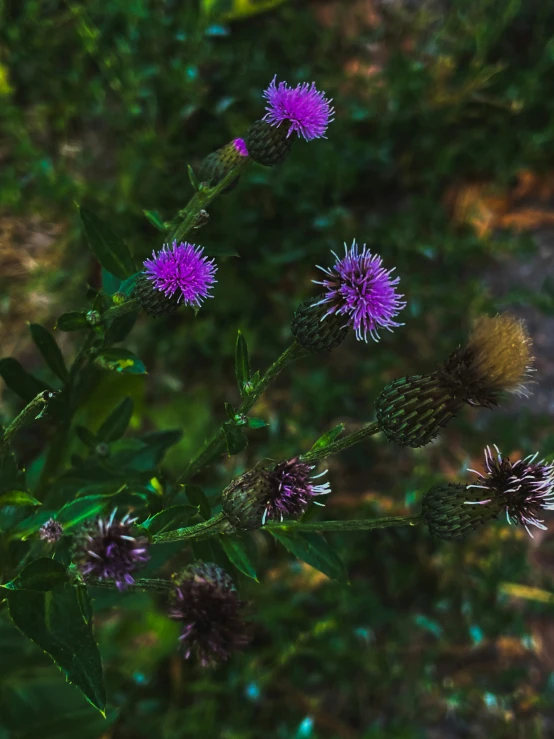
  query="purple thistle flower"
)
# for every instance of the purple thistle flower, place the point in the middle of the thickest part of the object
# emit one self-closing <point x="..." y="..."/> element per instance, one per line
<point x="523" y="488"/>
<point x="51" y="531"/>
<point x="307" y="109"/>
<point x="240" y="147"/>
<point x="106" y="550"/>
<point x="184" y="270"/>
<point x="206" y="602"/>
<point x="292" y="490"/>
<point x="359" y="287"/>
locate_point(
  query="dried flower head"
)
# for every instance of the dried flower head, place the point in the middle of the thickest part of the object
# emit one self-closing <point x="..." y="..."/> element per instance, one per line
<point x="359" y="288"/>
<point x="206" y="602"/>
<point x="182" y="272"/>
<point x="106" y="550"/>
<point x="308" y="110"/>
<point x="522" y="488"/>
<point x="51" y="531"/>
<point x="272" y="494"/>
<point x="496" y="359"/>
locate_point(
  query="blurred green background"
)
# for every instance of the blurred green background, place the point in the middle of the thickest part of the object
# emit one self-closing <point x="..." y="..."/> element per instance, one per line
<point x="440" y="159"/>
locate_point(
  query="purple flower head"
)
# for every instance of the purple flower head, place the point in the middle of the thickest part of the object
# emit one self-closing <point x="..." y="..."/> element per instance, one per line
<point x="51" y="531"/>
<point x="522" y="488"/>
<point x="292" y="490"/>
<point x="357" y="286"/>
<point x="207" y="603"/>
<point x="307" y="109"/>
<point x="106" y="550"/>
<point x="240" y="147"/>
<point x="184" y="270"/>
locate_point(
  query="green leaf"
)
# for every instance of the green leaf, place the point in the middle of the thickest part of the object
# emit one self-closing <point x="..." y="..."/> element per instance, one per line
<point x="79" y="510"/>
<point x="18" y="498"/>
<point x="127" y="286"/>
<point x="242" y="363"/>
<point x="110" y="250"/>
<point x="155" y="219"/>
<point x="20" y="381"/>
<point x="328" y="437"/>
<point x="175" y="517"/>
<point x="86" y="436"/>
<point x="236" y="551"/>
<point x="313" y="549"/>
<point x="59" y="623"/>
<point x="192" y="177"/>
<point x="72" y="321"/>
<point x="110" y="283"/>
<point x="116" y="424"/>
<point x="121" y="327"/>
<point x="120" y="360"/>
<point x="257" y="423"/>
<point x="198" y="498"/>
<point x="11" y="477"/>
<point x="42" y="575"/>
<point x="236" y="439"/>
<point x="47" y="346"/>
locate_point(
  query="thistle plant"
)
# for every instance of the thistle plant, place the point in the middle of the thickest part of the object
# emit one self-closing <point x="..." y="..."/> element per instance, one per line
<point x="81" y="523"/>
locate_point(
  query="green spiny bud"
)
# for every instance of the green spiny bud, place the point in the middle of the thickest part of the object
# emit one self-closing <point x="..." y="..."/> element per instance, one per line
<point x="448" y="514"/>
<point x="314" y="330"/>
<point x="266" y="144"/>
<point x="412" y="410"/>
<point x="152" y="300"/>
<point x="217" y="165"/>
<point x="245" y="499"/>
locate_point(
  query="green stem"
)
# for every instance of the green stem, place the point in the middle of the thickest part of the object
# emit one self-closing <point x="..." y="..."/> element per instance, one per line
<point x="216" y="445"/>
<point x="351" y="525"/>
<point x="186" y="219"/>
<point x="142" y="583"/>
<point x="29" y="412"/>
<point x="120" y="310"/>
<point x="369" y="429"/>
<point x="216" y="525"/>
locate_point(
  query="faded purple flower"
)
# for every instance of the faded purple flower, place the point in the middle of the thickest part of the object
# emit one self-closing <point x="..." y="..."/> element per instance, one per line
<point x="182" y="270"/>
<point x="308" y="110"/>
<point x="357" y="286"/>
<point x="240" y="147"/>
<point x="292" y="490"/>
<point x="51" y="531"/>
<point x="523" y="488"/>
<point x="106" y="550"/>
<point x="206" y="602"/>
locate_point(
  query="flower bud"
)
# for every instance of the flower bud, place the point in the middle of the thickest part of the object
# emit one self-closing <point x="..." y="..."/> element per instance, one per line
<point x="449" y="514"/>
<point x="267" y="144"/>
<point x="217" y="165"/>
<point x="312" y="332"/>
<point x="154" y="301"/>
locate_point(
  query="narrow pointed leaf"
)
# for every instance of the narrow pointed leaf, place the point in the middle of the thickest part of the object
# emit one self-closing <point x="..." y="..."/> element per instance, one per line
<point x="51" y="353"/>
<point x="19" y="380"/>
<point x="109" y="248"/>
<point x="155" y="219"/>
<point x="236" y="551"/>
<point x="18" y="498"/>
<point x="328" y="438"/>
<point x="235" y="438"/>
<point x="72" y="321"/>
<point x="58" y="622"/>
<point x="116" y="424"/>
<point x="77" y="511"/>
<point x="43" y="574"/>
<point x="198" y="498"/>
<point x="242" y="362"/>
<point x="313" y="549"/>
<point x="175" y="517"/>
